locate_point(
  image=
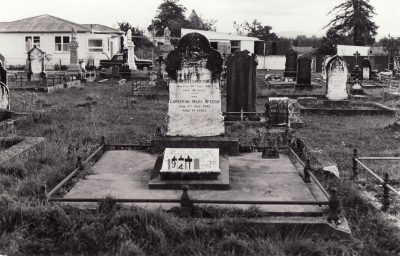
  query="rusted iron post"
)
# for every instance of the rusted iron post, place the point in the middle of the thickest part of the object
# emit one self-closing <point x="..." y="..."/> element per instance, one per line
<point x="79" y="163"/>
<point x="355" y="172"/>
<point x="386" y="200"/>
<point x="185" y="202"/>
<point x="307" y="168"/>
<point x="333" y="207"/>
<point x="43" y="193"/>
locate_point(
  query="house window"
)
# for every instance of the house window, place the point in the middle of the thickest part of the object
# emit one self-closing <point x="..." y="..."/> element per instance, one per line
<point x="235" y="46"/>
<point x="95" y="45"/>
<point x="34" y="41"/>
<point x="61" y="43"/>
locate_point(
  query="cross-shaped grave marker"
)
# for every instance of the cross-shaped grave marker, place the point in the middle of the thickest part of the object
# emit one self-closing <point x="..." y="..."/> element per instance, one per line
<point x="356" y="54"/>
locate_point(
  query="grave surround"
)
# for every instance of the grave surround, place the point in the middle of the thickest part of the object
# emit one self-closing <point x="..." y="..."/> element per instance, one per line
<point x="21" y="148"/>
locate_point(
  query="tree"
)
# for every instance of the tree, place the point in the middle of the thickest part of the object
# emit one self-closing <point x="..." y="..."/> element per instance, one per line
<point x="255" y="29"/>
<point x="331" y="40"/>
<point x="169" y="14"/>
<point x="391" y="46"/>
<point x="140" y="42"/>
<point x="197" y="22"/>
<point x="353" y="19"/>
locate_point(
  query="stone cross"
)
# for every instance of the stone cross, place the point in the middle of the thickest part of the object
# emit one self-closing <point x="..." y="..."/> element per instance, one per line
<point x="356" y="54"/>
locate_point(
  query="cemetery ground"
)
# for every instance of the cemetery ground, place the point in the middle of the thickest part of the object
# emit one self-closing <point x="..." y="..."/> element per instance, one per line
<point x="73" y="121"/>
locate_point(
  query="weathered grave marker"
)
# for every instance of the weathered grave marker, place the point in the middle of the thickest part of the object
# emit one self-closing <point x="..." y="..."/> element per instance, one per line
<point x="4" y="97"/>
<point x="131" y="51"/>
<point x="277" y="111"/>
<point x="73" y="66"/>
<point x="366" y="70"/>
<point x="303" y="72"/>
<point x="194" y="107"/>
<point x="324" y="63"/>
<point x="290" y="64"/>
<point x="36" y="64"/>
<point x="336" y="71"/>
<point x="241" y="82"/>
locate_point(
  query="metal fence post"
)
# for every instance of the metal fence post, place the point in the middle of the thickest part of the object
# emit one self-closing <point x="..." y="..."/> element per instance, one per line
<point x="355" y="172"/>
<point x="185" y="202"/>
<point x="43" y="193"/>
<point x="307" y="168"/>
<point x="333" y="206"/>
<point x="386" y="200"/>
<point x="79" y="163"/>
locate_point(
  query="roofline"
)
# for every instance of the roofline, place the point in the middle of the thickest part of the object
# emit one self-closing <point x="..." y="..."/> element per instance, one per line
<point x="76" y="24"/>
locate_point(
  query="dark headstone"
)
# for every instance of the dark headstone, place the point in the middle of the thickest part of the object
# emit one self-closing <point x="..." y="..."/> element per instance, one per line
<point x="366" y="70"/>
<point x="291" y="64"/>
<point x="303" y="72"/>
<point x="3" y="73"/>
<point x="277" y="111"/>
<point x="356" y="73"/>
<point x="241" y="82"/>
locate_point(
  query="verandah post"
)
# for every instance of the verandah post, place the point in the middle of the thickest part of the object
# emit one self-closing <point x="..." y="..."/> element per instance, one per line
<point x="355" y="172"/>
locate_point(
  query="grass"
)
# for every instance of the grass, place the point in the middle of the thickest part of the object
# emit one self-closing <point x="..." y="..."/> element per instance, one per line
<point x="73" y="126"/>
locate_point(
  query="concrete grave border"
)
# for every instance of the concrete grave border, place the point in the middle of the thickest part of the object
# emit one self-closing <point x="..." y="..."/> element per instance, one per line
<point x="23" y="149"/>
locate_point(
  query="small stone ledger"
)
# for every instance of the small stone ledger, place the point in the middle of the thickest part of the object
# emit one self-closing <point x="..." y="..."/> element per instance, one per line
<point x="193" y="147"/>
<point x="190" y="164"/>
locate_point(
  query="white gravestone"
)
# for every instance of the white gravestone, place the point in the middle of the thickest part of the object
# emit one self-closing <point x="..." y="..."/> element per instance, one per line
<point x="191" y="160"/>
<point x="365" y="73"/>
<point x="194" y="107"/>
<point x="325" y="62"/>
<point x="336" y="79"/>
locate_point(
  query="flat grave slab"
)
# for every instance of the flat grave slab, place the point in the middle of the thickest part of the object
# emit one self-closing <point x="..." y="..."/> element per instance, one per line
<point x="125" y="174"/>
<point x="289" y="84"/>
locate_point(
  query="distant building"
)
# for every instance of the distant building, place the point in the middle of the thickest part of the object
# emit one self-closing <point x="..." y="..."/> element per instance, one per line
<point x="226" y="43"/>
<point x="52" y="35"/>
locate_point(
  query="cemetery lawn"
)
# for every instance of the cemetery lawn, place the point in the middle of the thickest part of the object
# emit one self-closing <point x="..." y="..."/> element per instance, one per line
<point x="73" y="120"/>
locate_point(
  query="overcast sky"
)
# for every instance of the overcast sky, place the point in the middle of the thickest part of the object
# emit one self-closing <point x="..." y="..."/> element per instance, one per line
<point x="307" y="16"/>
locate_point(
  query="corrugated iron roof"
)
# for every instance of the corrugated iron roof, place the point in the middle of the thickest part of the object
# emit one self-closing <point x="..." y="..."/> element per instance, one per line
<point x="102" y="28"/>
<point x="47" y="23"/>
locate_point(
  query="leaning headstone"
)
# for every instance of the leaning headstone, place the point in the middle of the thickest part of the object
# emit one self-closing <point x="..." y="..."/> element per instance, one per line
<point x="366" y="69"/>
<point x="241" y="82"/>
<point x="36" y="64"/>
<point x="73" y="66"/>
<point x="303" y="73"/>
<point x="290" y="64"/>
<point x="336" y="86"/>
<point x="194" y="107"/>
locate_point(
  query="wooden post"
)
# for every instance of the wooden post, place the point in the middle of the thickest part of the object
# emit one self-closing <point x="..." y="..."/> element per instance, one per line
<point x="355" y="172"/>
<point x="185" y="202"/>
<point x="386" y="200"/>
<point x="333" y="207"/>
<point x="43" y="193"/>
<point x="307" y="168"/>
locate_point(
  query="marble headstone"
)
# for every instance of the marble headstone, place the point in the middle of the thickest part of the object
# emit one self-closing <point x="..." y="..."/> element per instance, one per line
<point x="194" y="107"/>
<point x="366" y="69"/>
<point x="336" y="71"/>
<point x="36" y="63"/>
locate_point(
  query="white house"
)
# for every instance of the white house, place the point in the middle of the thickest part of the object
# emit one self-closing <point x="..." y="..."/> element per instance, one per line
<point x="226" y="43"/>
<point x="52" y="35"/>
<point x="349" y="50"/>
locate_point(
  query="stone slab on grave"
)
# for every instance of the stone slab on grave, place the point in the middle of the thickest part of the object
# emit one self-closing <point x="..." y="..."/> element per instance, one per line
<point x="251" y="178"/>
<point x="336" y="82"/>
<point x="227" y="146"/>
<point x="307" y="101"/>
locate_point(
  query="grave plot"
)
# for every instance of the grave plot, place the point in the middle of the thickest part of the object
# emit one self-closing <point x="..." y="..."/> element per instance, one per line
<point x="17" y="148"/>
<point x="195" y="158"/>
